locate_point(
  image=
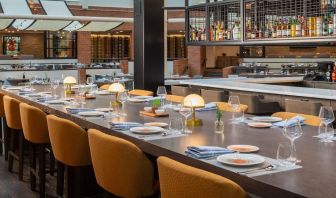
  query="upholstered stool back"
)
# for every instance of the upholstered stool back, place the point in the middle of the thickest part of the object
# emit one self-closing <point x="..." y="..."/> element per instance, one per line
<point x="12" y="112"/>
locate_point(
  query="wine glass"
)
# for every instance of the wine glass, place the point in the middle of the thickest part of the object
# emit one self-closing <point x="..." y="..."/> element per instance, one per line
<point x="122" y="98"/>
<point x="326" y="132"/>
<point x="292" y="130"/>
<point x="285" y="156"/>
<point x="90" y="81"/>
<point x="186" y="111"/>
<point x="162" y="93"/>
<point x="175" y="125"/>
<point x="234" y="103"/>
<point x="54" y="84"/>
<point x="326" y="116"/>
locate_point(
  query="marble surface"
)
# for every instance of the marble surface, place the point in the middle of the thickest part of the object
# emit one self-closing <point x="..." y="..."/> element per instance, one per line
<point x="254" y="85"/>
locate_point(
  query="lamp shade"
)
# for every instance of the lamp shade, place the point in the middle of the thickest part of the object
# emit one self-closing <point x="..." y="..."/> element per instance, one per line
<point x="194" y="100"/>
<point x="69" y="80"/>
<point x="116" y="88"/>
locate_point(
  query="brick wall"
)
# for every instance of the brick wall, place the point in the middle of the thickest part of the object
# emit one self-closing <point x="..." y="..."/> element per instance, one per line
<point x="31" y="43"/>
<point x="196" y="60"/>
<point x="276" y="51"/>
<point x="84" y="47"/>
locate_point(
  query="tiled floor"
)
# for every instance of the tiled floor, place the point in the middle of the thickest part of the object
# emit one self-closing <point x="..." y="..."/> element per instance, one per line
<point x="11" y="187"/>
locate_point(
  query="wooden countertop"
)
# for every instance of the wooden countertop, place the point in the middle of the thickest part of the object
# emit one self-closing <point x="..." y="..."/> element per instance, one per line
<point x="316" y="179"/>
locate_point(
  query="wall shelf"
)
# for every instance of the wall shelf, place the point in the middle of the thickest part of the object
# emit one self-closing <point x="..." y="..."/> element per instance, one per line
<point x="255" y="22"/>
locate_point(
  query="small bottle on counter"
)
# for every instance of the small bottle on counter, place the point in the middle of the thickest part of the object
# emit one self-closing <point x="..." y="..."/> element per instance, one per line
<point x="23" y="76"/>
<point x="329" y="73"/>
<point x="333" y="75"/>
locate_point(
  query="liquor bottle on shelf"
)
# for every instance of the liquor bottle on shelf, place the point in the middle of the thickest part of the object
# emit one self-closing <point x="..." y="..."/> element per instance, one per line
<point x="331" y="25"/>
<point x="211" y="33"/>
<point x="333" y="74"/>
<point x="254" y="33"/>
<point x="304" y="30"/>
<point x="325" y="25"/>
<point x="334" y="19"/>
<point x="260" y="34"/>
<point x="298" y="27"/>
<point x="203" y="34"/>
<point x="236" y="31"/>
<point x="248" y="29"/>
<point x="328" y="73"/>
<point x="319" y="26"/>
<point x="293" y="27"/>
<point x="221" y="30"/>
<point x="284" y="28"/>
<point x="217" y="31"/>
<point x="279" y="28"/>
<point x="312" y="26"/>
<point x="228" y="34"/>
<point x="266" y="32"/>
<point x="274" y="30"/>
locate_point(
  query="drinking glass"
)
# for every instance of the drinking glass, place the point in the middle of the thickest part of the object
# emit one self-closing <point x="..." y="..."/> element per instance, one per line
<point x="327" y="117"/>
<point x="285" y="155"/>
<point x="162" y="93"/>
<point x="122" y="98"/>
<point x="90" y="82"/>
<point x="186" y="111"/>
<point x="234" y="103"/>
<point x="54" y="84"/>
<point x="292" y="130"/>
<point x="326" y="132"/>
<point x="175" y="125"/>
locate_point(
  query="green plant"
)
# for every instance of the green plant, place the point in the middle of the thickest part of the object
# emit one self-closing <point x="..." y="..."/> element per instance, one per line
<point x="155" y="103"/>
<point x="219" y="114"/>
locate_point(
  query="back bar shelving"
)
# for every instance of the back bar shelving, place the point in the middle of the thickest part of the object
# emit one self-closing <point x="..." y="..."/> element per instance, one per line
<point x="249" y="22"/>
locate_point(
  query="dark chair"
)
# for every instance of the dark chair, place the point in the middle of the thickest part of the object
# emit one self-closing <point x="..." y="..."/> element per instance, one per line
<point x="302" y="106"/>
<point x="214" y="95"/>
<point x="257" y="105"/>
<point x="184" y="91"/>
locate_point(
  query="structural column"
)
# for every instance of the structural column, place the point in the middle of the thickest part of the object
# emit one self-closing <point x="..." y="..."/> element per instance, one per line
<point x="196" y="60"/>
<point x="148" y="44"/>
<point x="84" y="47"/>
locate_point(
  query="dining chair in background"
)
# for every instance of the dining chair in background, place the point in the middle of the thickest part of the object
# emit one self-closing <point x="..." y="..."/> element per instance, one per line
<point x="70" y="146"/>
<point x="182" y="181"/>
<point x="105" y="87"/>
<point x="309" y="119"/>
<point x="13" y="119"/>
<point x="35" y="131"/>
<point x="214" y="95"/>
<point x="3" y="129"/>
<point x="303" y="107"/>
<point x="224" y="106"/>
<point x="138" y="92"/>
<point x="120" y="167"/>
<point x="174" y="98"/>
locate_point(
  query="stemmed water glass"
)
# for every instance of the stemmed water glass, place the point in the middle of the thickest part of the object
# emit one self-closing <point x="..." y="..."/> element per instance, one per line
<point x="292" y="130"/>
<point x="162" y="93"/>
<point x="90" y="82"/>
<point x="234" y="103"/>
<point x="54" y="84"/>
<point x="326" y="117"/>
<point x="186" y="111"/>
<point x="122" y="98"/>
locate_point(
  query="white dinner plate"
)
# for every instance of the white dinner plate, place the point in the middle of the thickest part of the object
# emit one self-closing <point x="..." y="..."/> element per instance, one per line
<point x="259" y="124"/>
<point x="136" y="100"/>
<point x="235" y="159"/>
<point x="104" y="109"/>
<point x="156" y="124"/>
<point x="103" y="92"/>
<point x="91" y="113"/>
<point x="143" y="97"/>
<point x="55" y="102"/>
<point x="266" y="119"/>
<point x="243" y="148"/>
<point x="14" y="88"/>
<point x="147" y="130"/>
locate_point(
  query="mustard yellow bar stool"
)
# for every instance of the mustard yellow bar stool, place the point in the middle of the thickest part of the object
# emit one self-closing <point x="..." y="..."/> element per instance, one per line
<point x="223" y="106"/>
<point x="105" y="87"/>
<point x="138" y="92"/>
<point x="174" y="98"/>
<point x="35" y="131"/>
<point x="70" y="145"/>
<point x="13" y="119"/>
<point x="310" y="119"/>
<point x="121" y="168"/>
<point x="181" y="181"/>
<point x="3" y="129"/>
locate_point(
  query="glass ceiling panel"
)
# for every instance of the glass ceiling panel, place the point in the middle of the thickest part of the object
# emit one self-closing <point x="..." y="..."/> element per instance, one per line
<point x="17" y="7"/>
<point x="100" y="26"/>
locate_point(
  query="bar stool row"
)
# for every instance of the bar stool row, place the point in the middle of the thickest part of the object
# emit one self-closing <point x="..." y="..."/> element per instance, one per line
<point x="92" y="157"/>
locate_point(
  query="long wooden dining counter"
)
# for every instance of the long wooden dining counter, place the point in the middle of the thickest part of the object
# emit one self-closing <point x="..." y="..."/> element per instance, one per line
<point x="316" y="178"/>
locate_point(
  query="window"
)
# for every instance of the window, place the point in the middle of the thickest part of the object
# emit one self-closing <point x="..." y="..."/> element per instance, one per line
<point x="61" y="44"/>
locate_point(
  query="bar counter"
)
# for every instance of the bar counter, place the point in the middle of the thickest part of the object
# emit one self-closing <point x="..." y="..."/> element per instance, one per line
<point x="316" y="178"/>
<point x="264" y="85"/>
